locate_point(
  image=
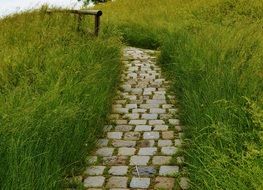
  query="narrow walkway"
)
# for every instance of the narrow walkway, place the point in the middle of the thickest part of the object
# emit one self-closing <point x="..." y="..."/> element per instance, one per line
<point x="143" y="133"/>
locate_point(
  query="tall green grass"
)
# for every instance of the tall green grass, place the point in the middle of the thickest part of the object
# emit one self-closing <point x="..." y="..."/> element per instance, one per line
<point x="213" y="53"/>
<point x="56" y="86"/>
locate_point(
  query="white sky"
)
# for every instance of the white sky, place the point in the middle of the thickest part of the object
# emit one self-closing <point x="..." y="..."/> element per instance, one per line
<point x="11" y="6"/>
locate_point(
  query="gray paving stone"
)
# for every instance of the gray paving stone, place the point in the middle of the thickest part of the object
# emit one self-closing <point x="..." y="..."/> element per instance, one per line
<point x="157" y="110"/>
<point x="94" y="181"/>
<point x="161" y="160"/>
<point x="146" y="171"/>
<point x="149" y="116"/>
<point x="131" y="116"/>
<point x="123" y="128"/>
<point x="124" y="151"/>
<point x="123" y="143"/>
<point x="168" y="170"/>
<point x="139" y="160"/>
<point x="169" y="150"/>
<point x="167" y="106"/>
<point x="174" y="121"/>
<point x="148" y="106"/>
<point x="115" y="160"/>
<point x="146" y="143"/>
<point x="156" y="101"/>
<point x="156" y="122"/>
<point x="114" y="135"/>
<point x="95" y="170"/>
<point x="117" y="182"/>
<point x="140" y="182"/>
<point x="151" y="135"/>
<point x="160" y="128"/>
<point x="103" y="142"/>
<point x="118" y="170"/>
<point x="132" y="135"/>
<point x="143" y="128"/>
<point x="138" y="122"/>
<point x="105" y="151"/>
<point x="162" y="143"/>
<point x="131" y="106"/>
<point x="139" y="110"/>
<point x="147" y="151"/>
<point x="121" y="122"/>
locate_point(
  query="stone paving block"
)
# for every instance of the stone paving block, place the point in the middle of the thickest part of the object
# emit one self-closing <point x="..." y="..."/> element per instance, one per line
<point x="156" y="101"/>
<point x="123" y="128"/>
<point x="143" y="128"/>
<point x="105" y="151"/>
<point x="140" y="182"/>
<point x="156" y="122"/>
<point x="132" y="135"/>
<point x="147" y="151"/>
<point x="161" y="160"/>
<point x="149" y="116"/>
<point x="168" y="170"/>
<point x="162" y="143"/>
<point x="131" y="116"/>
<point x="160" y="128"/>
<point x="146" y="143"/>
<point x="131" y="106"/>
<point x="166" y="183"/>
<point x="169" y="150"/>
<point x="159" y="97"/>
<point x="124" y="151"/>
<point x="168" y="135"/>
<point x="174" y="121"/>
<point x="114" y="135"/>
<point x="151" y="135"/>
<point x="148" y="106"/>
<point x="123" y="143"/>
<point x="138" y="122"/>
<point x="118" y="170"/>
<point x="167" y="106"/>
<point x="95" y="170"/>
<point x="94" y="181"/>
<point x="139" y="110"/>
<point x="165" y="116"/>
<point x="157" y="110"/>
<point x="102" y="142"/>
<point x="115" y="160"/>
<point x="139" y="160"/>
<point x="145" y="171"/>
<point x="117" y="182"/>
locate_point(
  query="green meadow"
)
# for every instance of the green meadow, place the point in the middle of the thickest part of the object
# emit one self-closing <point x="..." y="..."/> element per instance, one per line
<point x="56" y="87"/>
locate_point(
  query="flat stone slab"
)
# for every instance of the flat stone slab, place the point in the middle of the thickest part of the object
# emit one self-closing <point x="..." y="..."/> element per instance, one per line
<point x="140" y="182"/>
<point x="114" y="135"/>
<point x="94" y="181"/>
<point x="132" y="135"/>
<point x="118" y="170"/>
<point x="161" y="160"/>
<point x="146" y="143"/>
<point x="151" y="135"/>
<point x="144" y="171"/>
<point x="123" y="128"/>
<point x="168" y="170"/>
<point x="162" y="143"/>
<point x="148" y="151"/>
<point x="139" y="160"/>
<point x="124" y="151"/>
<point x="115" y="160"/>
<point x="95" y="170"/>
<point x="169" y="150"/>
<point x="143" y="128"/>
<point x="123" y="143"/>
<point x="117" y="182"/>
<point x="105" y="151"/>
<point x="166" y="183"/>
<point x="138" y="122"/>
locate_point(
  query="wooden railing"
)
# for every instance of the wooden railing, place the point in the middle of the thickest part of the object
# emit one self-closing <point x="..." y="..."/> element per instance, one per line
<point x="96" y="13"/>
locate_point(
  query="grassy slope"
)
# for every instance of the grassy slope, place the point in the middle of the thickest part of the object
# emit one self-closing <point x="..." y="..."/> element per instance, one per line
<point x="212" y="51"/>
<point x="55" y="90"/>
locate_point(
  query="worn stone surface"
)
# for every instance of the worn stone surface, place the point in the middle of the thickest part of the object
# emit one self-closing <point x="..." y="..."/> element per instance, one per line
<point x="142" y="134"/>
<point x="140" y="182"/>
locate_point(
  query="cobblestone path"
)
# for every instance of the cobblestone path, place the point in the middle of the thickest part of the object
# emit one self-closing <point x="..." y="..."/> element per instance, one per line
<point x="143" y="132"/>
